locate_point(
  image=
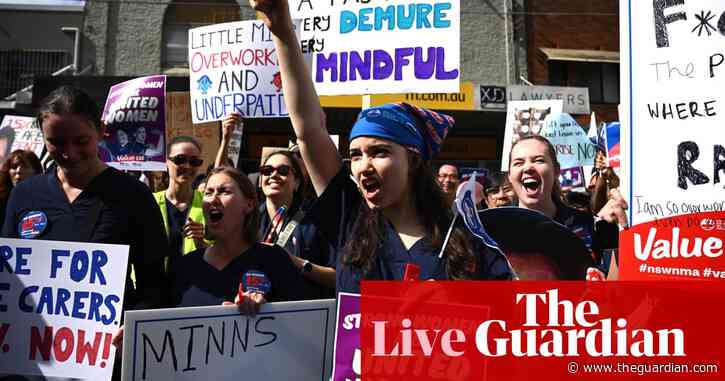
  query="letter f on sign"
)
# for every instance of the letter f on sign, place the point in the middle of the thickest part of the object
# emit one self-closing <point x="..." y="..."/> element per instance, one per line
<point x="661" y="20"/>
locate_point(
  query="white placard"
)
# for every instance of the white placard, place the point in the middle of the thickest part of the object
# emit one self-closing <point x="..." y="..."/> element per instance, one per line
<point x="672" y="78"/>
<point x="524" y="118"/>
<point x="381" y="47"/>
<point x="576" y="99"/>
<point x="285" y="341"/>
<point x="60" y="304"/>
<point x="233" y="67"/>
<point x="28" y="135"/>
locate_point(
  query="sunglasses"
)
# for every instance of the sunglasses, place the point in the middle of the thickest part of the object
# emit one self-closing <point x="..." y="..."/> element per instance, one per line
<point x="183" y="159"/>
<point x="267" y="170"/>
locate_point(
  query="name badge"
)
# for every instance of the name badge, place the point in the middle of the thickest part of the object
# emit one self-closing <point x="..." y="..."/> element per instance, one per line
<point x="256" y="281"/>
<point x="32" y="224"/>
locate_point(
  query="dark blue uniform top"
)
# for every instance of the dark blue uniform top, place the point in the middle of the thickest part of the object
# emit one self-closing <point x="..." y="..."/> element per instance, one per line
<point x="306" y="242"/>
<point x="128" y="215"/>
<point x="598" y="237"/>
<point x="194" y="282"/>
<point x="334" y="213"/>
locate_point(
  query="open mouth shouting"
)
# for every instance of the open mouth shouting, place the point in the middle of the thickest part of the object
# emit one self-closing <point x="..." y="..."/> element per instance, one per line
<point x="370" y="188"/>
<point x="531" y="186"/>
<point x="215" y="215"/>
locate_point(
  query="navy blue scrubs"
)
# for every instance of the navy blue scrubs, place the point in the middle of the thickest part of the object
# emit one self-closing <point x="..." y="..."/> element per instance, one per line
<point x="335" y="212"/>
<point x="194" y="282"/>
<point x="128" y="215"/>
<point x="307" y="243"/>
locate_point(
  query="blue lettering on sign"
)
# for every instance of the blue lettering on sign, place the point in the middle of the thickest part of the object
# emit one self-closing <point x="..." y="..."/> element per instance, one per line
<point x="402" y="17"/>
<point x="251" y="105"/>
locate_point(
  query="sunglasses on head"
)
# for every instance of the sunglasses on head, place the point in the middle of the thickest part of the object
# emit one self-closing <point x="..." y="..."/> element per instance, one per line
<point x="183" y="159"/>
<point x="267" y="170"/>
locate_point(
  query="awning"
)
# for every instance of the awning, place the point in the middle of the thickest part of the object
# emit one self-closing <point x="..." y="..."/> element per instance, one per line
<point x="580" y="55"/>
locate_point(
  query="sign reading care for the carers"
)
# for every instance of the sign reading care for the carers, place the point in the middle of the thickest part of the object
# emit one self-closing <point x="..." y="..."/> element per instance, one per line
<point x="233" y="67"/>
<point x="381" y="47"/>
<point x="135" y="125"/>
<point x="672" y="137"/>
<point x="60" y="304"/>
<point x="285" y="341"/>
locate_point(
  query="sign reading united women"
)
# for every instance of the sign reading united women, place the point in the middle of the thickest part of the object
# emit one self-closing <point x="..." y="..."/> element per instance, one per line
<point x="378" y="47"/>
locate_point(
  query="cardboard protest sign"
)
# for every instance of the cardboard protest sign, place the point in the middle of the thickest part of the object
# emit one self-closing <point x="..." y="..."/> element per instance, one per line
<point x="672" y="139"/>
<point x="178" y="123"/>
<point x="347" y="357"/>
<point x="135" y="125"/>
<point x="233" y="67"/>
<point x="285" y="341"/>
<point x="373" y="48"/>
<point x="573" y="147"/>
<point x="525" y="118"/>
<point x="27" y="134"/>
<point x="60" y="304"/>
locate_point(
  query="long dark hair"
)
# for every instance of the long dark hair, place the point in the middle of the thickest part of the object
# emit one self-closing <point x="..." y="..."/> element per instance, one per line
<point x="251" y="221"/>
<point x="435" y="214"/>
<point x="551" y="152"/>
<point x="298" y="195"/>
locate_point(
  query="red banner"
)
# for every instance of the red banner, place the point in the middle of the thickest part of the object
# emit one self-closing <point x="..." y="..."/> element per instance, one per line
<point x="543" y="330"/>
<point x="681" y="247"/>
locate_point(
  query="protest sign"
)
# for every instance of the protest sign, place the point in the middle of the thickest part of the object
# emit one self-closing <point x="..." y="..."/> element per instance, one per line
<point x="178" y="123"/>
<point x="576" y="99"/>
<point x="525" y="118"/>
<point x="235" y="144"/>
<point x="572" y="178"/>
<point x="135" y="125"/>
<point x="371" y="48"/>
<point x="233" y="67"/>
<point x="285" y="341"/>
<point x="347" y="357"/>
<point x="672" y="137"/>
<point x="573" y="147"/>
<point x="27" y="134"/>
<point x="60" y="304"/>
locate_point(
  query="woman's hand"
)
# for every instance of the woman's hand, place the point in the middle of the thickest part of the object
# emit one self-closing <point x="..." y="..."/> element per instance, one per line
<point x="117" y="339"/>
<point x="193" y="230"/>
<point x="229" y="124"/>
<point x="614" y="211"/>
<point x="248" y="303"/>
<point x="275" y="14"/>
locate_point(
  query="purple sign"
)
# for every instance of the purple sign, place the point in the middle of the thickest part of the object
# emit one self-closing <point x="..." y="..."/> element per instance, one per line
<point x="348" y="359"/>
<point x="135" y="125"/>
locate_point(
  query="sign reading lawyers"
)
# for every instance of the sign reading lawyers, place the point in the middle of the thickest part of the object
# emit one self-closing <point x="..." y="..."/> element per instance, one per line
<point x="60" y="304"/>
<point x="233" y="67"/>
<point x="135" y="125"/>
<point x="576" y="99"/>
<point x="285" y="341"/>
<point x="381" y="47"/>
<point x="672" y="137"/>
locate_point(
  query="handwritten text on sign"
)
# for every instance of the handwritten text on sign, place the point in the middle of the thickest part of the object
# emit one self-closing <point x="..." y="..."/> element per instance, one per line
<point x="60" y="304"/>
<point x="285" y="341"/>
<point x="673" y="100"/>
<point x="379" y="47"/>
<point x="233" y="67"/>
<point x="28" y="135"/>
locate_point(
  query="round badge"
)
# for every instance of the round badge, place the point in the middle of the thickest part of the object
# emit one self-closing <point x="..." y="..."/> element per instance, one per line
<point x="256" y="281"/>
<point x="32" y="224"/>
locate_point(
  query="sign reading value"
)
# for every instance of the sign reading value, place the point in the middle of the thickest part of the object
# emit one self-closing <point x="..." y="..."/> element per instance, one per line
<point x="379" y="47"/>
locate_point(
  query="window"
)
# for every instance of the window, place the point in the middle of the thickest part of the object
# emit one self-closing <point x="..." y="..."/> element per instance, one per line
<point x="182" y="15"/>
<point x="602" y="79"/>
<point x="18" y="68"/>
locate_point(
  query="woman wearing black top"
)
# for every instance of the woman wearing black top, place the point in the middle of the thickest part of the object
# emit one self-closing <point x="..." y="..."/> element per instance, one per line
<point x="213" y="275"/>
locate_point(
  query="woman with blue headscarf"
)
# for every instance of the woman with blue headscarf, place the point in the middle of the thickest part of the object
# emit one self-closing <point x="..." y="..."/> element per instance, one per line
<point x="391" y="222"/>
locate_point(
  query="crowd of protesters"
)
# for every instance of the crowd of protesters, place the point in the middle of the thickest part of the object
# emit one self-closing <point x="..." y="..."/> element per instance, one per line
<point x="321" y="226"/>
